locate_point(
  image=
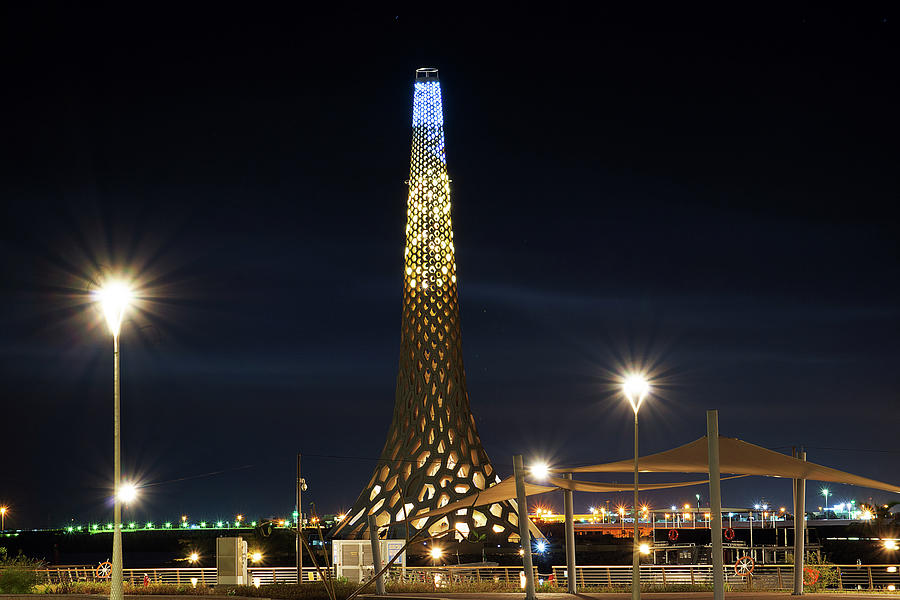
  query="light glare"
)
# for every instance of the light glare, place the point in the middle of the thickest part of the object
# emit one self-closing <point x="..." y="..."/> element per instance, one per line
<point x="635" y="387"/>
<point x="540" y="470"/>
<point x="114" y="298"/>
<point x="127" y="492"/>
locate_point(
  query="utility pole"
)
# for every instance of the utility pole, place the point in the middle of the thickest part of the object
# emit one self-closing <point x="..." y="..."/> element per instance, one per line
<point x="799" y="529"/>
<point x="299" y="523"/>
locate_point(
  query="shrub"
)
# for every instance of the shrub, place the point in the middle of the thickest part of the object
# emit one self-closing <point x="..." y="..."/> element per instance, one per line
<point x="17" y="574"/>
<point x="17" y="580"/>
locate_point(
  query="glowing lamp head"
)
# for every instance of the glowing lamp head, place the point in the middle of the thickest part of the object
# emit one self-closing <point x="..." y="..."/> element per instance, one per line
<point x="890" y="544"/>
<point x="436" y="553"/>
<point x="635" y="387"/>
<point x="540" y="546"/>
<point x="644" y="548"/>
<point x="256" y="556"/>
<point x="193" y="557"/>
<point x="3" y="510"/>
<point x="540" y="470"/>
<point x="114" y="298"/>
<point x="127" y="493"/>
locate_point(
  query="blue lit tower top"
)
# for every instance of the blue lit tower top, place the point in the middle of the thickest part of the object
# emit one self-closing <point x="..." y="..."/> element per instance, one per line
<point x="429" y="254"/>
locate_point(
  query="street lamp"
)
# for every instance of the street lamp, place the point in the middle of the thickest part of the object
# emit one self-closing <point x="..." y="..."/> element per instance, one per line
<point x="826" y="493"/>
<point x="3" y="511"/>
<point x="540" y="470"/>
<point x="127" y="493"/>
<point x="114" y="298"/>
<point x="635" y="388"/>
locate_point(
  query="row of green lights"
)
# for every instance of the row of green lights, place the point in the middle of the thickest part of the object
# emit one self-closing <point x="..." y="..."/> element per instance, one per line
<point x="167" y="525"/>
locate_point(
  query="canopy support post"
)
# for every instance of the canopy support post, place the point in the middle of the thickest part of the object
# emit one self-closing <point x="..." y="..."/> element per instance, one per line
<point x="715" y="502"/>
<point x="570" y="537"/>
<point x="524" y="533"/>
<point x="799" y="526"/>
<point x="376" y="556"/>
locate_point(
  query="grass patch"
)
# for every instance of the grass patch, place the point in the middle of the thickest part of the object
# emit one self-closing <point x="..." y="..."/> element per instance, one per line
<point x="102" y="589"/>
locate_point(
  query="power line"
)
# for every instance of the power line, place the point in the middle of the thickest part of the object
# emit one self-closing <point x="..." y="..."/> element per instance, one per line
<point x="210" y="474"/>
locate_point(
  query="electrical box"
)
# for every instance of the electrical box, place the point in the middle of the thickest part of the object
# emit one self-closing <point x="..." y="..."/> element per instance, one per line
<point x="231" y="561"/>
<point x="353" y="558"/>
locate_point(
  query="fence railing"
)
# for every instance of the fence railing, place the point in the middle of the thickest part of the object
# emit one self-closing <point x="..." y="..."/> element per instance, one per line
<point x="179" y="576"/>
<point x="775" y="577"/>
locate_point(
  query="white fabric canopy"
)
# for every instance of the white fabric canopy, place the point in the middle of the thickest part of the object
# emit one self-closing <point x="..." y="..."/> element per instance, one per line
<point x="505" y="490"/>
<point x="592" y="486"/>
<point x="735" y="456"/>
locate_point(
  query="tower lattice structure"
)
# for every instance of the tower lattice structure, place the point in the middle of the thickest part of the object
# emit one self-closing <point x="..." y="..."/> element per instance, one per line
<point x="433" y="455"/>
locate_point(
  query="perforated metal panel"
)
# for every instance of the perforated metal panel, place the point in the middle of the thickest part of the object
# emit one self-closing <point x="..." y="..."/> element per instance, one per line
<point x="433" y="455"/>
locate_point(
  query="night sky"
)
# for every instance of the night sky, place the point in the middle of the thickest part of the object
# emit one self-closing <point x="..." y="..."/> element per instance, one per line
<point x="712" y="196"/>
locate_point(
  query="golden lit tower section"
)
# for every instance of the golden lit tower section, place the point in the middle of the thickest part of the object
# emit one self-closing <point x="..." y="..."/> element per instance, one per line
<point x="433" y="455"/>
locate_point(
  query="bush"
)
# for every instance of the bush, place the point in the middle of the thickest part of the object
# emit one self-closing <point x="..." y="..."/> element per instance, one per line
<point x="17" y="580"/>
<point x="825" y="574"/>
<point x="17" y="574"/>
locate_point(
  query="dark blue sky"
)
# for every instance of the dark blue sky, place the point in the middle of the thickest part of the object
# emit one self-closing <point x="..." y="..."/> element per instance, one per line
<point x="714" y="195"/>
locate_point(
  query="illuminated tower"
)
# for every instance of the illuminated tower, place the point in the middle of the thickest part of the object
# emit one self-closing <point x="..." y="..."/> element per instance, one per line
<point x="433" y="455"/>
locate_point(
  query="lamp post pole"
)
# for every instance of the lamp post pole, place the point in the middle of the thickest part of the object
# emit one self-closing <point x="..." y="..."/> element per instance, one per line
<point x="635" y="388"/>
<point x="115" y="588"/>
<point x="636" y="555"/>
<point x="299" y="546"/>
<point x="114" y="298"/>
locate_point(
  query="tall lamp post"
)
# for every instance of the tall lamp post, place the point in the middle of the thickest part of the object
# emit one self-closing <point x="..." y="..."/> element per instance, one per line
<point x="114" y="298"/>
<point x="636" y="389"/>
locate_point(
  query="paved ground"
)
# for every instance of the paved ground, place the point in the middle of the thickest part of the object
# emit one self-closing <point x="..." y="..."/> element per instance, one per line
<point x="645" y="596"/>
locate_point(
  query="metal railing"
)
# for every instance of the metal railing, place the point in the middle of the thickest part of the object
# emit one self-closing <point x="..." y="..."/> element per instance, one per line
<point x="774" y="577"/>
<point x="178" y="576"/>
<point x="453" y="575"/>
